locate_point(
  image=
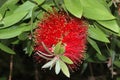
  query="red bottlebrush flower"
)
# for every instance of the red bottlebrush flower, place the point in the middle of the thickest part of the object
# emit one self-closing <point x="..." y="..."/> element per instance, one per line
<point x="56" y="27"/>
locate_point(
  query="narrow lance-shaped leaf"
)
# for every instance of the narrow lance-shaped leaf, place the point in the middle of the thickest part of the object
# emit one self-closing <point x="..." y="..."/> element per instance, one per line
<point x="13" y="31"/>
<point x="97" y="34"/>
<point x="14" y="18"/>
<point x="57" y="67"/>
<point x="49" y="64"/>
<point x="66" y="59"/>
<point x="24" y="7"/>
<point x="74" y="7"/>
<point x="64" y="69"/>
<point x="57" y="48"/>
<point x="62" y="49"/>
<point x="110" y="24"/>
<point x="94" y="45"/>
<point x="94" y="9"/>
<point x="6" y="49"/>
<point x="6" y="5"/>
<point x="85" y="65"/>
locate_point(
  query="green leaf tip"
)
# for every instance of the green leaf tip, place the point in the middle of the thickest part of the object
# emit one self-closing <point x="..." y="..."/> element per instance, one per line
<point x="59" y="48"/>
<point x="57" y="67"/>
<point x="66" y="59"/>
<point x="64" y="69"/>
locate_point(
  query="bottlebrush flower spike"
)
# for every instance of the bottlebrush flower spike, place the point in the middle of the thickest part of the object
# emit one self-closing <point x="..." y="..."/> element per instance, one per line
<point x="59" y="27"/>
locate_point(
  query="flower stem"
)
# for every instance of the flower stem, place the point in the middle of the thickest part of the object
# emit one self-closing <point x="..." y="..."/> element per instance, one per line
<point x="43" y="56"/>
<point x="46" y="48"/>
<point x="47" y="55"/>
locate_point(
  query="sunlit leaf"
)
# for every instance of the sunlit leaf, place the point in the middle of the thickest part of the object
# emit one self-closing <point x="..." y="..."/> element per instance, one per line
<point x="47" y="5"/>
<point x="7" y="5"/>
<point x="96" y="33"/>
<point x="111" y="24"/>
<point x="13" y="31"/>
<point x="74" y="7"/>
<point x="14" y="18"/>
<point x="27" y="6"/>
<point x="93" y="9"/>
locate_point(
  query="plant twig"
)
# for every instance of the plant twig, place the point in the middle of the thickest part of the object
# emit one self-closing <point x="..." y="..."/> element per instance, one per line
<point x="91" y="72"/>
<point x="11" y="68"/>
<point x="36" y="72"/>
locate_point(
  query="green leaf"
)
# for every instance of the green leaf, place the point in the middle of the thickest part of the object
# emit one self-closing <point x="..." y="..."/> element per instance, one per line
<point x="74" y="7"/>
<point x="6" y="49"/>
<point x="64" y="69"/>
<point x="57" y="48"/>
<point x="101" y="57"/>
<point x="84" y="67"/>
<point x="117" y="63"/>
<point x="27" y="6"/>
<point x="49" y="64"/>
<point x="110" y="24"/>
<point x="47" y="5"/>
<point x="0" y="17"/>
<point x="14" y="18"/>
<point x="62" y="49"/>
<point x="2" y="2"/>
<point x="66" y="59"/>
<point x="29" y="48"/>
<point x="13" y="31"/>
<point x="89" y="57"/>
<point x="97" y="34"/>
<point x="15" y="42"/>
<point x="23" y="36"/>
<point x="95" y="10"/>
<point x="102" y="2"/>
<point x="7" y="5"/>
<point x="94" y="45"/>
<point x="39" y="1"/>
<point x="57" y="67"/>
